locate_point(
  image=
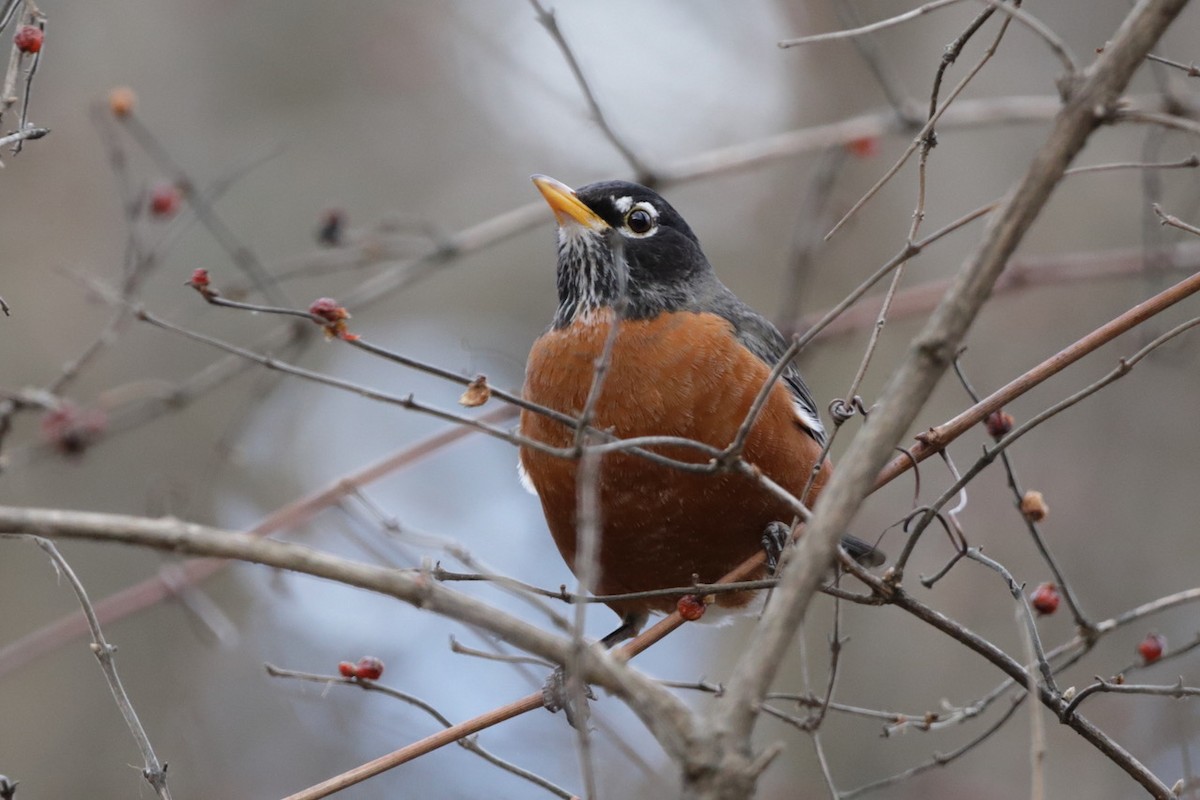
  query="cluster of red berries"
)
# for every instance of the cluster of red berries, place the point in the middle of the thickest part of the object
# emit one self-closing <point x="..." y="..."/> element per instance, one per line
<point x="368" y="668"/>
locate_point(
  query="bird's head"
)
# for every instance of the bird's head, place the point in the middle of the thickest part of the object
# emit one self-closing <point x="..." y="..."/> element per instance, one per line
<point x="621" y="245"/>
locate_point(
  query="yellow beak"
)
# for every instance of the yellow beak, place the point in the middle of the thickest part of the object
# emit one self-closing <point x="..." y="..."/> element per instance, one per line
<point x="566" y="206"/>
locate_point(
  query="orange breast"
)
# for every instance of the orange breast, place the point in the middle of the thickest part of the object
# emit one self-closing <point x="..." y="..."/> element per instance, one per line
<point x="681" y="374"/>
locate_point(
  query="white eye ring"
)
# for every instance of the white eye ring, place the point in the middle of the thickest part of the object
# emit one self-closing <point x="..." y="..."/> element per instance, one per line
<point x="641" y="220"/>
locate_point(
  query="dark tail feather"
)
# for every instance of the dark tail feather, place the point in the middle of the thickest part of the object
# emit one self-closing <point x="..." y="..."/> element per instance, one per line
<point x="863" y="552"/>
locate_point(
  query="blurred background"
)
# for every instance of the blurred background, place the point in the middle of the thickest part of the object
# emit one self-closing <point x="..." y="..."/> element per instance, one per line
<point x="419" y="120"/>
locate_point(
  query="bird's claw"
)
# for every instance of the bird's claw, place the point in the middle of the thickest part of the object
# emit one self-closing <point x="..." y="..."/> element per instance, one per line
<point x="557" y="696"/>
<point x="774" y="540"/>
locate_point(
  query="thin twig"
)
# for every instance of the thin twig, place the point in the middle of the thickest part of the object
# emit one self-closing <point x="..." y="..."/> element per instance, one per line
<point x="172" y="579"/>
<point x="922" y="136"/>
<point x="23" y="134"/>
<point x="469" y="743"/>
<point x="1177" y="690"/>
<point x="1189" y="69"/>
<point x="154" y="771"/>
<point x="874" y="27"/>
<point x="936" y="438"/>
<point x="1052" y="39"/>
<point x="1068" y="593"/>
<point x="547" y="20"/>
<point x="938" y="759"/>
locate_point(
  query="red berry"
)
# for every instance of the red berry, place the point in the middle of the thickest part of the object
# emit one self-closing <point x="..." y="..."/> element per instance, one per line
<point x="999" y="423"/>
<point x="346" y="669"/>
<point x="1151" y="648"/>
<point x="690" y="607"/>
<point x="863" y="146"/>
<point x="164" y="200"/>
<point x="1045" y="599"/>
<point x="369" y="668"/>
<point x="29" y="39"/>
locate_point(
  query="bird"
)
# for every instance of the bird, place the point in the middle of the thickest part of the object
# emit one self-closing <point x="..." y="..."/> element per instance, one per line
<point x="687" y="359"/>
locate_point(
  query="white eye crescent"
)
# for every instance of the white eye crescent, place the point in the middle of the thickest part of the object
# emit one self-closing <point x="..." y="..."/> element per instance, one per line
<point x="641" y="219"/>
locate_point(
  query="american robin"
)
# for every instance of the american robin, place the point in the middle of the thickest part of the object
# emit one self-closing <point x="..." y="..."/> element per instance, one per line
<point x="688" y="360"/>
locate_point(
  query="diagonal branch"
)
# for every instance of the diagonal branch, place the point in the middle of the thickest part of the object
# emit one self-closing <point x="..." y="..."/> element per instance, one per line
<point x="666" y="716"/>
<point x="1089" y="103"/>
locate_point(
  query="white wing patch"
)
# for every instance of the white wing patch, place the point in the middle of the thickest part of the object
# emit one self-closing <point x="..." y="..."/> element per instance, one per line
<point x="807" y="419"/>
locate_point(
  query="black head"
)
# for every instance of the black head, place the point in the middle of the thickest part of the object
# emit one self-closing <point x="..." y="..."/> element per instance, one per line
<point x="619" y="240"/>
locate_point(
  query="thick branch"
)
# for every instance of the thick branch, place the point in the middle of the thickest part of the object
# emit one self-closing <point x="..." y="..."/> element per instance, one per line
<point x="665" y="715"/>
<point x="1089" y="102"/>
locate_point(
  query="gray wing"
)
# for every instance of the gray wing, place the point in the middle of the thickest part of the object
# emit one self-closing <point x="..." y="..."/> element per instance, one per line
<point x="765" y="341"/>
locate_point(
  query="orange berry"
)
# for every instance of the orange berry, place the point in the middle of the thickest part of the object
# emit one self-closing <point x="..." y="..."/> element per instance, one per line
<point x="121" y="101"/>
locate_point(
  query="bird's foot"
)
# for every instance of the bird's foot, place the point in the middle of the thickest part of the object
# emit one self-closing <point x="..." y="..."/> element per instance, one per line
<point x="774" y="539"/>
<point x="559" y="695"/>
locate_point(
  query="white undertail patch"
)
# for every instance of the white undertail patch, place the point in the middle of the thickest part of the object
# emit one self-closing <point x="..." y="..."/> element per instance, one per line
<point x="526" y="481"/>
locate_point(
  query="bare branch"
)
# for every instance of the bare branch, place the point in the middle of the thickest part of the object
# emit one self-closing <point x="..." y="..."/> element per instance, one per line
<point x="154" y="771"/>
<point x="467" y="743"/>
<point x="928" y="357"/>
<point x="872" y="28"/>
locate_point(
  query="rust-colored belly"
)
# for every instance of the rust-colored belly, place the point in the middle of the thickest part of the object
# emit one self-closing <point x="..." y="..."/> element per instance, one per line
<point x="681" y="374"/>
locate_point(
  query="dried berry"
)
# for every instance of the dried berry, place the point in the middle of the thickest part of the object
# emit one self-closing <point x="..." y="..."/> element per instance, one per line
<point x="1151" y="648"/>
<point x="165" y="200"/>
<point x="29" y="39"/>
<point x="690" y="607"/>
<point x="1045" y="599"/>
<point x="122" y="101"/>
<point x="478" y="392"/>
<point x="1033" y="506"/>
<point x="999" y="423"/>
<point x="368" y="668"/>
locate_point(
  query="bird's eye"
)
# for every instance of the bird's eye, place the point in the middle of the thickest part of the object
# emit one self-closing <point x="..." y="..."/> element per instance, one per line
<point x="639" y="220"/>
